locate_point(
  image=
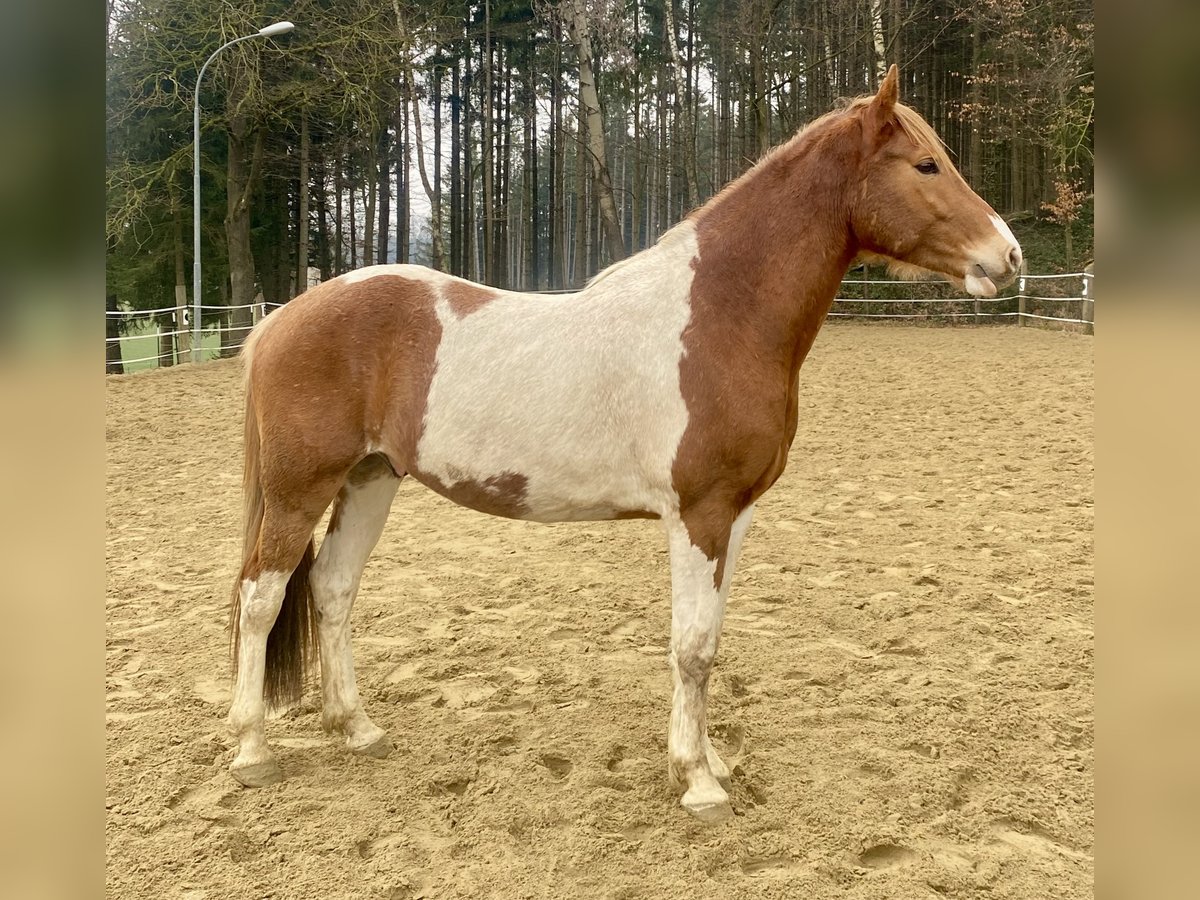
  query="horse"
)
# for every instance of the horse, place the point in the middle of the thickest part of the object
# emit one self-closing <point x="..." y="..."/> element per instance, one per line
<point x="665" y="389"/>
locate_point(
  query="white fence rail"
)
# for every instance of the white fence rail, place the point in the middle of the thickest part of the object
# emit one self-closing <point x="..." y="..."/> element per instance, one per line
<point x="157" y="328"/>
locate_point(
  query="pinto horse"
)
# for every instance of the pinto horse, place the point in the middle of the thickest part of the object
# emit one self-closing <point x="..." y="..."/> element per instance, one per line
<point x="665" y="389"/>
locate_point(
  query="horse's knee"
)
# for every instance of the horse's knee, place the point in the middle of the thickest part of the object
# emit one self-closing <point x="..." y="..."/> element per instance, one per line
<point x="692" y="656"/>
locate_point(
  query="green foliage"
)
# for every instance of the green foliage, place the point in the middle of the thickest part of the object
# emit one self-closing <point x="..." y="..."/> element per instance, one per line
<point x="1042" y="241"/>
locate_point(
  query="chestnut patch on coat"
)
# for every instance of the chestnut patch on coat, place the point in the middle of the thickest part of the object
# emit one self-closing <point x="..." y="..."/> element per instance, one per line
<point x="757" y="304"/>
<point x="465" y="298"/>
<point x="362" y="354"/>
<point x="499" y="495"/>
<point x="636" y="514"/>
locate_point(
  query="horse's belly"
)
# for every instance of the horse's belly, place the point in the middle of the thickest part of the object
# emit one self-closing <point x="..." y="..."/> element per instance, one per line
<point x="553" y="485"/>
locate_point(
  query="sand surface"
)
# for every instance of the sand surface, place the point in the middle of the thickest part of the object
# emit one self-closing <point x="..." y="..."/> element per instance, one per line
<point x="904" y="688"/>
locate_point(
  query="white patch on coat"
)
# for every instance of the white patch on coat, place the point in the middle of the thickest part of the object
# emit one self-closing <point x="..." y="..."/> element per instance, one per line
<point x="579" y="394"/>
<point x="403" y="270"/>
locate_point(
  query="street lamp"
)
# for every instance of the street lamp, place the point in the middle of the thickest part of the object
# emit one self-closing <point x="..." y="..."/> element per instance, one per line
<point x="269" y="31"/>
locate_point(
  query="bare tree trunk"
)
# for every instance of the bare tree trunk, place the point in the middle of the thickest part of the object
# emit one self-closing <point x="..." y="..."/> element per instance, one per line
<point x="323" y="257"/>
<point x="239" y="183"/>
<point x="879" y="56"/>
<point x="558" y="183"/>
<point x="470" y="264"/>
<point x="436" y="200"/>
<point x="456" y="236"/>
<point x="302" y="224"/>
<point x="386" y="156"/>
<point x="439" y="254"/>
<point x="339" y="187"/>
<point x="975" y="119"/>
<point x="552" y="160"/>
<point x="403" y="187"/>
<point x="370" y="186"/>
<point x="636" y="240"/>
<point x="529" y="221"/>
<point x="894" y="45"/>
<point x="590" y="107"/>
<point x="486" y="111"/>
<point x="352" y="216"/>
<point x="683" y="107"/>
<point x="578" y="256"/>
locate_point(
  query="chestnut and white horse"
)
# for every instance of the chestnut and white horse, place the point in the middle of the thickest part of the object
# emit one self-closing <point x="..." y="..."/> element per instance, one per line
<point x="665" y="389"/>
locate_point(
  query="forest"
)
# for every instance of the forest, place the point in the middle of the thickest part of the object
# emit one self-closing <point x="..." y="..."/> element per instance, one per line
<point x="529" y="143"/>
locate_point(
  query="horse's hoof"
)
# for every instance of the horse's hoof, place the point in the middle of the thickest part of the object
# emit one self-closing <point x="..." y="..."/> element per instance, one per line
<point x="709" y="806"/>
<point x="257" y="774"/>
<point x="380" y="748"/>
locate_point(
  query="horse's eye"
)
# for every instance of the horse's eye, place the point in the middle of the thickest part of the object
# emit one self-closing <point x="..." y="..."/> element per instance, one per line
<point x="927" y="167"/>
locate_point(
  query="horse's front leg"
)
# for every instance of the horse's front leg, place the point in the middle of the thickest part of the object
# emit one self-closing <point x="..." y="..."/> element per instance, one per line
<point x="704" y="548"/>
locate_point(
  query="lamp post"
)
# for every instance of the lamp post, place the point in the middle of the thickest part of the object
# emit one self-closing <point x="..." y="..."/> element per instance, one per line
<point x="269" y="31"/>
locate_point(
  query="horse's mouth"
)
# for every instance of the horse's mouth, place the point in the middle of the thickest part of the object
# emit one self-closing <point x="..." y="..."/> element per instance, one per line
<point x="979" y="283"/>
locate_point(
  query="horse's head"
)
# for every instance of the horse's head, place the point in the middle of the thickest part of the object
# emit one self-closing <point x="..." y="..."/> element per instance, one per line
<point x="914" y="209"/>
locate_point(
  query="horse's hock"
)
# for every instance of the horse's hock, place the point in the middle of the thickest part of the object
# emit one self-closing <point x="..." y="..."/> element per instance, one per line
<point x="909" y="637"/>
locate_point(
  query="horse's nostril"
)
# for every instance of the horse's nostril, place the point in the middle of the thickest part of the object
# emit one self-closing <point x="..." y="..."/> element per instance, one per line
<point x="1014" y="257"/>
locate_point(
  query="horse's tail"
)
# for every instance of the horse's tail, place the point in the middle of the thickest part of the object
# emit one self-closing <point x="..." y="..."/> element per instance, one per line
<point x="292" y="639"/>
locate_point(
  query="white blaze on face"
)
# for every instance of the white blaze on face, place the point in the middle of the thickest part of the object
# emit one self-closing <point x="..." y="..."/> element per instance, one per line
<point x="580" y="394"/>
<point x="993" y="259"/>
<point x="1005" y="231"/>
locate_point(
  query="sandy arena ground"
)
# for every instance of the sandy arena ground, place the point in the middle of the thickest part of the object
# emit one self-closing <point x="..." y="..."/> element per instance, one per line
<point x="904" y="689"/>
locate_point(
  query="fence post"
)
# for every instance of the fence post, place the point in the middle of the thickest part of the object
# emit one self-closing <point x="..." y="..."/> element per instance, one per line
<point x="978" y="308"/>
<point x="1087" y="304"/>
<point x="1021" y="301"/>
<point x="183" y="338"/>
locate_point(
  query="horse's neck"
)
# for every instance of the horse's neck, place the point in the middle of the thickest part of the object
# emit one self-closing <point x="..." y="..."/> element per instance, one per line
<point x="774" y="246"/>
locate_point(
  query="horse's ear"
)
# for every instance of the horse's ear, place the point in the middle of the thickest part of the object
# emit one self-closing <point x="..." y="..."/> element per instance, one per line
<point x="889" y="89"/>
<point x="879" y="112"/>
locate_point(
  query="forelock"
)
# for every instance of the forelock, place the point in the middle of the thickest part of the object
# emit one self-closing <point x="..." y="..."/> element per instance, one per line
<point x="921" y="133"/>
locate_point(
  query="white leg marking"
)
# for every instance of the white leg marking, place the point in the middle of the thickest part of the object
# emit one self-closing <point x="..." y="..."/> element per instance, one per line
<point x="737" y="535"/>
<point x="363" y="510"/>
<point x="697" y="611"/>
<point x="261" y="600"/>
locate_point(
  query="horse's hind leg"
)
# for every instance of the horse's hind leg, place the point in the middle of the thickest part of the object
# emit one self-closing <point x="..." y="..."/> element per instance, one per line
<point x="358" y="517"/>
<point x="284" y="537"/>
